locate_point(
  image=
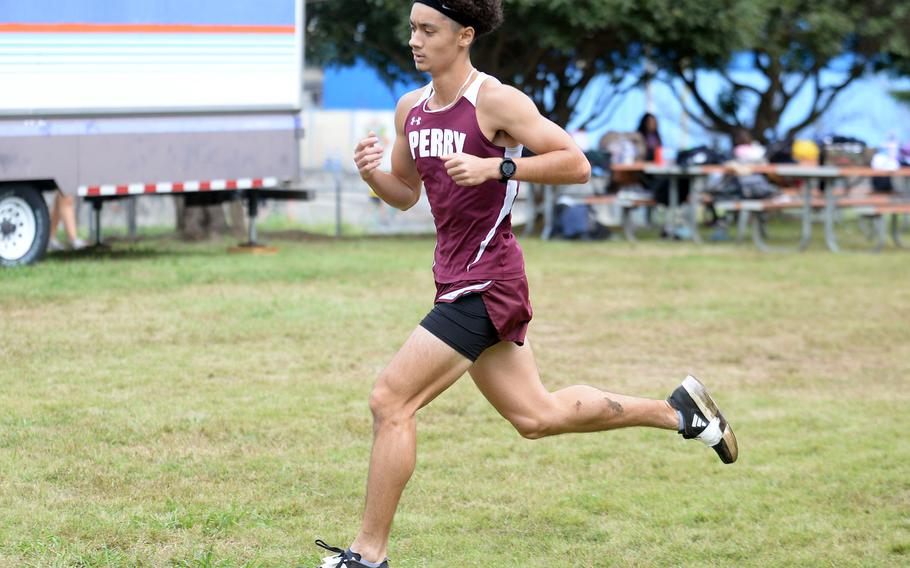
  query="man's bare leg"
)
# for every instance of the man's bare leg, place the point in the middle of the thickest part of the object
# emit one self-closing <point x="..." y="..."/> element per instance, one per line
<point x="424" y="367"/>
<point x="64" y="209"/>
<point x="55" y="214"/>
<point x="67" y="204"/>
<point x="507" y="376"/>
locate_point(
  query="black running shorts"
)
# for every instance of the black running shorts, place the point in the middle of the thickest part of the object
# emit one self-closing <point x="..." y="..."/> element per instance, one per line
<point x="463" y="324"/>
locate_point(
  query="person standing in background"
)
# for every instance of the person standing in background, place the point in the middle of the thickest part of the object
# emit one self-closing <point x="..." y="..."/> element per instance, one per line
<point x="64" y="209"/>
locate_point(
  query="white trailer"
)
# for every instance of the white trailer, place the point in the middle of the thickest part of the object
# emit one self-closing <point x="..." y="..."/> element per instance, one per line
<point x="108" y="100"/>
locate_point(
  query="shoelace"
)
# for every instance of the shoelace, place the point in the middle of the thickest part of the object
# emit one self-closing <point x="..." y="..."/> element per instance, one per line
<point x="342" y="555"/>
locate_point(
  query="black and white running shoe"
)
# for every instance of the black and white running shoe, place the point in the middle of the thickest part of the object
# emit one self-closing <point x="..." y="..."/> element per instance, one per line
<point x="343" y="558"/>
<point x="703" y="420"/>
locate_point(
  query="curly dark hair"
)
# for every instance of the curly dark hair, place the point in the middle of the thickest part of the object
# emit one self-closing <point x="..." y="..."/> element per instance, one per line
<point x="487" y="14"/>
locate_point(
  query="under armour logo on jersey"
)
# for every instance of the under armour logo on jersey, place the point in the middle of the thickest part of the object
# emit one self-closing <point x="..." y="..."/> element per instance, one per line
<point x="697" y="422"/>
<point x="415" y="121"/>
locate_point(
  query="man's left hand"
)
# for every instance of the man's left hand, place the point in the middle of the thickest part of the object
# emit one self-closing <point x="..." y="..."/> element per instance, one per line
<point x="467" y="170"/>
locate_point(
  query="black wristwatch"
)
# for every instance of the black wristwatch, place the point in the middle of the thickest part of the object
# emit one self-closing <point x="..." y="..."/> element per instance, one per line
<point x="507" y="169"/>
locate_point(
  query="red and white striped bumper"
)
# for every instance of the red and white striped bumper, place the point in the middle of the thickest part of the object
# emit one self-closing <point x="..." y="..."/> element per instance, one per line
<point x="176" y="187"/>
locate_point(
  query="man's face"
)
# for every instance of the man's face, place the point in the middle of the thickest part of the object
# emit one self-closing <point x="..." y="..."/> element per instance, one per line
<point x="434" y="41"/>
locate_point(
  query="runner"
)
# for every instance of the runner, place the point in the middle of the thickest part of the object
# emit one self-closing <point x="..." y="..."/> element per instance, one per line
<point x="461" y="137"/>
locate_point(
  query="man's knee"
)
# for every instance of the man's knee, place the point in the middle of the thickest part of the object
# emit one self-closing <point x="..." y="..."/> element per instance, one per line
<point x="387" y="406"/>
<point x="381" y="401"/>
<point x="532" y="427"/>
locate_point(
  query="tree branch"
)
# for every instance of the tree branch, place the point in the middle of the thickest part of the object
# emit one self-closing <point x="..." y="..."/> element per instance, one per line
<point x="698" y="120"/>
<point x="766" y="115"/>
<point x="758" y="63"/>
<point x="702" y="103"/>
<point x="605" y="100"/>
<point x="562" y="109"/>
<point x="831" y="92"/>
<point x="738" y="86"/>
<point x="799" y="85"/>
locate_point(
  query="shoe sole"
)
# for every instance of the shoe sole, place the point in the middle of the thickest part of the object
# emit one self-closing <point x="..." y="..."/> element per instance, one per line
<point x="727" y="448"/>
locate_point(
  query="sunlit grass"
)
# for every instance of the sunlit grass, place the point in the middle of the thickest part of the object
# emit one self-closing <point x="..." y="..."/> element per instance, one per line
<point x="175" y="405"/>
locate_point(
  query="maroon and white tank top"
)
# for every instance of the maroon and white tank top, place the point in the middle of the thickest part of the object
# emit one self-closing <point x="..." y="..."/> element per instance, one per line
<point x="474" y="239"/>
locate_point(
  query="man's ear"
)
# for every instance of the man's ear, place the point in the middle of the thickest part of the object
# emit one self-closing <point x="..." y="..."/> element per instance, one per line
<point x="466" y="36"/>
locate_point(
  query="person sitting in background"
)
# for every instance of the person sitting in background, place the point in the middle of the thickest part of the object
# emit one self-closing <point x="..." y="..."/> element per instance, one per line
<point x="746" y="150"/>
<point x="659" y="186"/>
<point x="742" y="184"/>
<point x="64" y="209"/>
<point x="647" y="127"/>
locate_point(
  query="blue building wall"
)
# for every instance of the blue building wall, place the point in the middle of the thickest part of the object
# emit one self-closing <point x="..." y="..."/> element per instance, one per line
<point x="359" y="87"/>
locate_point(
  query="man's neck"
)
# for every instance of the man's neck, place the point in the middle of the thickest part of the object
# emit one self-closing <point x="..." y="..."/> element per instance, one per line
<point x="448" y="84"/>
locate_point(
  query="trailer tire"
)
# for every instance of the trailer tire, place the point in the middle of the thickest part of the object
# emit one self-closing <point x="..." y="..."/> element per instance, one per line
<point x="24" y="225"/>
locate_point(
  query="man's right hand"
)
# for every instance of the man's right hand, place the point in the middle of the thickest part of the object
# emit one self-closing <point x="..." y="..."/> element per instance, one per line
<point x="368" y="155"/>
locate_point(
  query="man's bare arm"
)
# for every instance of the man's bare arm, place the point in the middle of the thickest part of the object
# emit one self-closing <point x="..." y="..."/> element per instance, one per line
<point x="558" y="161"/>
<point x="399" y="188"/>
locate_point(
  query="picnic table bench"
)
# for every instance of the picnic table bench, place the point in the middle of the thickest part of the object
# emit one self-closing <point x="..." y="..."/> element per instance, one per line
<point x="828" y="199"/>
<point x="815" y="197"/>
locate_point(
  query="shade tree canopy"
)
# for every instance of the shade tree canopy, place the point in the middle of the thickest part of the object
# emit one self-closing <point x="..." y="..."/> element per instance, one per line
<point x="554" y="49"/>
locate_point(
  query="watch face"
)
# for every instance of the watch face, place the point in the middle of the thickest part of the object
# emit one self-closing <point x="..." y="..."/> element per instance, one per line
<point x="507" y="168"/>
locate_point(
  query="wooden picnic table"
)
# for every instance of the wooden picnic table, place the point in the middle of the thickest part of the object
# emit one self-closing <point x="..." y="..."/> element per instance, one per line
<point x="813" y="175"/>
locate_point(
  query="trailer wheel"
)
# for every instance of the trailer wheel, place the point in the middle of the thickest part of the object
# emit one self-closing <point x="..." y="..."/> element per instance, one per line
<point x="24" y="225"/>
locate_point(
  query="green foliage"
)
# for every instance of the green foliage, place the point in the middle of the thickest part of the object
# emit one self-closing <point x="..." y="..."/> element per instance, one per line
<point x="795" y="44"/>
<point x="554" y="46"/>
<point x="339" y="32"/>
<point x="552" y="49"/>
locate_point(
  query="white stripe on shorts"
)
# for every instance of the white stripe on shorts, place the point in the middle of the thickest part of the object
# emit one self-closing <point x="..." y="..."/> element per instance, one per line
<point x="473" y="288"/>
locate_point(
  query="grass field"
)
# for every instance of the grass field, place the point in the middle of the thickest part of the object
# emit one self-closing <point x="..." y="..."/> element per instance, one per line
<point x="173" y="405"/>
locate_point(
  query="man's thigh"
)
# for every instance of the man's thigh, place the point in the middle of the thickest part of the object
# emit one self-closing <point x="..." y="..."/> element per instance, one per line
<point x="507" y="376"/>
<point x="423" y="367"/>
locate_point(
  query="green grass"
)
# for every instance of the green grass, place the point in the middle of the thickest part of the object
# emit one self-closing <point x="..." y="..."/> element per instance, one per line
<point x="174" y="405"/>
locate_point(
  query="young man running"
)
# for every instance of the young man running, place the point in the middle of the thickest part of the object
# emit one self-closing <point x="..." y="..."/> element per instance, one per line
<point x="461" y="137"/>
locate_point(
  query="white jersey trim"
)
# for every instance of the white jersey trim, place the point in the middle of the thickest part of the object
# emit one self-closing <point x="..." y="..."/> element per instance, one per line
<point x="472" y="288"/>
<point x="472" y="91"/>
<point x="511" y="193"/>
<point x="427" y="91"/>
<point x="473" y="88"/>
